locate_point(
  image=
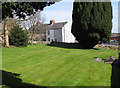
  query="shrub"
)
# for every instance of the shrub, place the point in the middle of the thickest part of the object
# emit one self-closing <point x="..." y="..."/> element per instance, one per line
<point x="18" y="37"/>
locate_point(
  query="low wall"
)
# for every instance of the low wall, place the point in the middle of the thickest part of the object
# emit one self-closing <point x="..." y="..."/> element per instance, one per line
<point x="66" y="45"/>
<point x="76" y="45"/>
<point x="40" y="42"/>
<point x="43" y="42"/>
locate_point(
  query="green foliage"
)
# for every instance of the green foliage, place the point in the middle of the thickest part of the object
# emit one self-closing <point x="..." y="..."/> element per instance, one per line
<point x="18" y="37"/>
<point x="92" y="22"/>
<point x="22" y="9"/>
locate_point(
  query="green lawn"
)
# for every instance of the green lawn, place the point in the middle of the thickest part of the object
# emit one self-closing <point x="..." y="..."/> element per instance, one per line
<point x="44" y="65"/>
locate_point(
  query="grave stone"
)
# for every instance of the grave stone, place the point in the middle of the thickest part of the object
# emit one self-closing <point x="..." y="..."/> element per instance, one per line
<point x="110" y="59"/>
<point x="97" y="59"/>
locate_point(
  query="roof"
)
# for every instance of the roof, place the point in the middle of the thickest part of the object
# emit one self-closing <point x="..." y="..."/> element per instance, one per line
<point x="43" y="27"/>
<point x="52" y="26"/>
<point x="115" y="35"/>
<point x="55" y="26"/>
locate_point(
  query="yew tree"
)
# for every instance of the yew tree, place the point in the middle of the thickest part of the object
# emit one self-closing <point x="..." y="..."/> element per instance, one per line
<point x="92" y="22"/>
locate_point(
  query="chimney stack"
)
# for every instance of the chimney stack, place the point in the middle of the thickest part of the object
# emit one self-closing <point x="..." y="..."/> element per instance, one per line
<point x="38" y="23"/>
<point x="52" y="21"/>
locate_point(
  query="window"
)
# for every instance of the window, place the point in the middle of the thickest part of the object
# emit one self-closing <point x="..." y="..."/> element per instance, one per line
<point x="48" y="39"/>
<point x="48" y="32"/>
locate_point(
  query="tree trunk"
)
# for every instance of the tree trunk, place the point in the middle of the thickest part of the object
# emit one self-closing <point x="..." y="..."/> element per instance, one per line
<point x="6" y="38"/>
<point x="32" y="39"/>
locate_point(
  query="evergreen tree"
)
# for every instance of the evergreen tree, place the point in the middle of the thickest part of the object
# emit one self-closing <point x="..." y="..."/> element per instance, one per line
<point x="92" y="22"/>
<point x="18" y="37"/>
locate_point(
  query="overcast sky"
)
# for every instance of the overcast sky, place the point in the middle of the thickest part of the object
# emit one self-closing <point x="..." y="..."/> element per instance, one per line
<point x="62" y="11"/>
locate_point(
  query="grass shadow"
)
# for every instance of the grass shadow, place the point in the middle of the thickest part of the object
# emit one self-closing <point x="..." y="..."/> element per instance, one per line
<point x="67" y="45"/>
<point x="12" y="80"/>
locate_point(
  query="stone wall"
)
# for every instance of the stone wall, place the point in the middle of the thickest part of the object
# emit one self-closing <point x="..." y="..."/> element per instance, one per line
<point x="113" y="47"/>
<point x="76" y="45"/>
<point x="42" y="42"/>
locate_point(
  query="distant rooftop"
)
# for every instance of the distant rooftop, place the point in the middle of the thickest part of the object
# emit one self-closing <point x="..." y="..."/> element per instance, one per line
<point x="51" y="26"/>
<point x="55" y="26"/>
<point x="115" y="34"/>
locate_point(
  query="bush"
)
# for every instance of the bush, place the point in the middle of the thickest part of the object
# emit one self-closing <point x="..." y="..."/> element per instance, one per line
<point x="18" y="37"/>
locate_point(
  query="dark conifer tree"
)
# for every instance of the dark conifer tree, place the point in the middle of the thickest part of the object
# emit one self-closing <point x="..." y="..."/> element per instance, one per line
<point x="92" y="22"/>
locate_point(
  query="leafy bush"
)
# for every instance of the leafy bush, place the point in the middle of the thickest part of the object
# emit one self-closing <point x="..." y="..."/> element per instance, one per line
<point x="18" y="37"/>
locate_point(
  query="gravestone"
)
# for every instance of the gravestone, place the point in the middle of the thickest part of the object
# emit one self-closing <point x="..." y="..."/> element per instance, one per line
<point x="110" y="59"/>
<point x="97" y="59"/>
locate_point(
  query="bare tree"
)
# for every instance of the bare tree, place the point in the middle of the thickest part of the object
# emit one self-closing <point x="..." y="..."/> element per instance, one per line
<point x="32" y="23"/>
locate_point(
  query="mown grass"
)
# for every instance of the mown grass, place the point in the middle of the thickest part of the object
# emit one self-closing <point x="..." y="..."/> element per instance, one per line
<point x="44" y="65"/>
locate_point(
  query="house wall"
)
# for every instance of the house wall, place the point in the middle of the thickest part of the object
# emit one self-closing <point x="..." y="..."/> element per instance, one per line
<point x="61" y="35"/>
<point x="55" y="35"/>
<point x="58" y="35"/>
<point x="50" y="35"/>
<point x="67" y="36"/>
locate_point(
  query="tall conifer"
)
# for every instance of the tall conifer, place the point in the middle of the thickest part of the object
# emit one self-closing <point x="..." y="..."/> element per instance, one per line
<point x="92" y="22"/>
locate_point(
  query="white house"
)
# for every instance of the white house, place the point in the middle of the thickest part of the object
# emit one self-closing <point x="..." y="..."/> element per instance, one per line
<point x="59" y="32"/>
